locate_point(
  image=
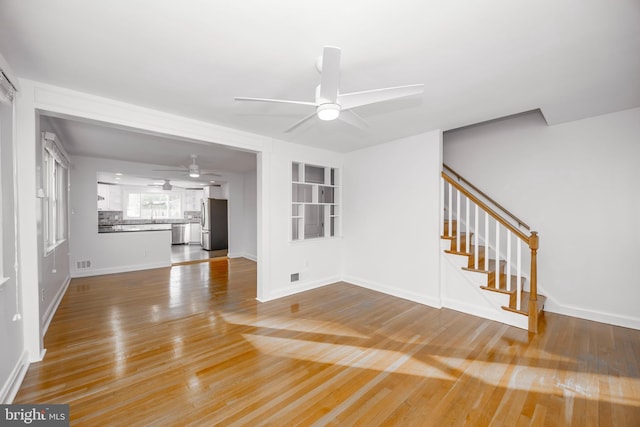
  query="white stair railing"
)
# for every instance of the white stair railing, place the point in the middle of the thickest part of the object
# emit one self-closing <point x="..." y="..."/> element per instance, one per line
<point x="501" y="235"/>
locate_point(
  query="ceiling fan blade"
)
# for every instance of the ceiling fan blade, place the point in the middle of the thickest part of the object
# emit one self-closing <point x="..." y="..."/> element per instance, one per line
<point x="280" y="101"/>
<point x="330" y="78"/>
<point x="210" y="174"/>
<point x="350" y="117"/>
<point x="170" y="170"/>
<point x="357" y="99"/>
<point x="299" y="122"/>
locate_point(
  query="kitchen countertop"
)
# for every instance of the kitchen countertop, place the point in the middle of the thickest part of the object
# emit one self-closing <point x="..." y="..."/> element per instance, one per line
<point x="125" y="228"/>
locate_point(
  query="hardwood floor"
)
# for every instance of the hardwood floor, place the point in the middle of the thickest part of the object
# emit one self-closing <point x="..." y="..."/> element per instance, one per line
<point x="190" y="345"/>
<point x="181" y="254"/>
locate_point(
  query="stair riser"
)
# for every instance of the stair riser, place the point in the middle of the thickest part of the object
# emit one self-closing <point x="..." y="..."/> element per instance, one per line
<point x="491" y="282"/>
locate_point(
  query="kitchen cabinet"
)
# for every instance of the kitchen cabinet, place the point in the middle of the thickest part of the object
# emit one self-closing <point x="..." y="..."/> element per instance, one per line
<point x="194" y="232"/>
<point x="192" y="200"/>
<point x="109" y="197"/>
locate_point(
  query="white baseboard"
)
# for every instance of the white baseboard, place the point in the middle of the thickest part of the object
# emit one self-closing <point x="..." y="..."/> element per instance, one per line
<point x="553" y="306"/>
<point x="118" y="269"/>
<point x="506" y="317"/>
<point x="12" y="384"/>
<point x="252" y="257"/>
<point x="246" y="255"/>
<point x="393" y="291"/>
<point x="53" y="307"/>
<point x="300" y="287"/>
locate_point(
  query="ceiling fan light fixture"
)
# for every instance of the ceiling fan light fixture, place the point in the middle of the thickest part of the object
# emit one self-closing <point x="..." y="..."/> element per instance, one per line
<point x="194" y="171"/>
<point x="328" y="111"/>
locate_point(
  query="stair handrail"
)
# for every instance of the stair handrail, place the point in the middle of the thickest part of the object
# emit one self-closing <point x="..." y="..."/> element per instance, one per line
<point x="483" y="194"/>
<point x="486" y="208"/>
<point x="532" y="240"/>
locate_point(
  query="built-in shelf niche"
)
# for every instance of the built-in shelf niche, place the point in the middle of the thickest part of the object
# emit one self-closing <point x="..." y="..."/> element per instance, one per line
<point x="314" y="202"/>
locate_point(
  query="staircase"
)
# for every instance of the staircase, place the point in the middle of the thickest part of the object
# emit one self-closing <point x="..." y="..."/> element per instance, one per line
<point x="484" y="272"/>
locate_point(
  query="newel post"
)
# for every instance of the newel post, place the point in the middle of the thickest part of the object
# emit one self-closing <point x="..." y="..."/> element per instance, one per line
<point x="533" y="291"/>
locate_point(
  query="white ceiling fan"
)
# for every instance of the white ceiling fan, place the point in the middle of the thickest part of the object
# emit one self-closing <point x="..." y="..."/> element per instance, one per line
<point x="193" y="169"/>
<point x="330" y="104"/>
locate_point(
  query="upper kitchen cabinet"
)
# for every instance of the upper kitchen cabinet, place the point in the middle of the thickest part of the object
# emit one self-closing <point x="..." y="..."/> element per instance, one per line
<point x="192" y="199"/>
<point x="109" y="197"/>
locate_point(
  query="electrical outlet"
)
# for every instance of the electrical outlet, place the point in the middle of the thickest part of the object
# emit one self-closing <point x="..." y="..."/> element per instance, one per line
<point x="41" y="295"/>
<point x="295" y="277"/>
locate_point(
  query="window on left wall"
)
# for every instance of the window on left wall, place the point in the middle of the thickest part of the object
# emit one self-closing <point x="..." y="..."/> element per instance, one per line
<point x="55" y="184"/>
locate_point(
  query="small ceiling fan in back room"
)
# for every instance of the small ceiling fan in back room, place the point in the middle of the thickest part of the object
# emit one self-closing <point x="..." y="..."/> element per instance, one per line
<point x="193" y="170"/>
<point x="330" y="104"/>
<point x="166" y="185"/>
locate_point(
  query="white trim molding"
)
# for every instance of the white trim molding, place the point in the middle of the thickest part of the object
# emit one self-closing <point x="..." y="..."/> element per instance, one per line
<point x="53" y="307"/>
<point x="394" y="291"/>
<point x="12" y="385"/>
<point x="119" y="269"/>
<point x="300" y="287"/>
<point x="553" y="306"/>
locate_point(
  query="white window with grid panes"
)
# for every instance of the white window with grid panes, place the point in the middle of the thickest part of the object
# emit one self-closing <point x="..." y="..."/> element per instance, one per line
<point x="55" y="187"/>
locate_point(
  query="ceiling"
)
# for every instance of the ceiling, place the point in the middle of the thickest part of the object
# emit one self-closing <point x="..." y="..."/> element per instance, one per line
<point x="159" y="153"/>
<point x="478" y="60"/>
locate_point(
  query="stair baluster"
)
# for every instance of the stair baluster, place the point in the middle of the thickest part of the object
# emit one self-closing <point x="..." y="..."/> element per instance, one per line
<point x="467" y="240"/>
<point x="477" y="245"/>
<point x="496" y="246"/>
<point x="458" y="228"/>
<point x="519" y="275"/>
<point x="508" y="271"/>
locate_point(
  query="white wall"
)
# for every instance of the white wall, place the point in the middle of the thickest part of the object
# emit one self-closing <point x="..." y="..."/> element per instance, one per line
<point x="27" y="137"/>
<point x="109" y="252"/>
<point x="12" y="355"/>
<point x="576" y="184"/>
<point x="250" y="223"/>
<point x="236" y="215"/>
<point x="391" y="214"/>
<point x="318" y="261"/>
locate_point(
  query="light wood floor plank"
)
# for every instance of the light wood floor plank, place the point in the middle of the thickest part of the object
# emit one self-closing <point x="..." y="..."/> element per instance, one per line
<point x="190" y="345"/>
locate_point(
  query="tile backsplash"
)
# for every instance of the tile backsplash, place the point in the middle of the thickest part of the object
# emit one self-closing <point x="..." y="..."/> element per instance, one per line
<point x="115" y="217"/>
<point x="109" y="217"/>
<point x="192" y="216"/>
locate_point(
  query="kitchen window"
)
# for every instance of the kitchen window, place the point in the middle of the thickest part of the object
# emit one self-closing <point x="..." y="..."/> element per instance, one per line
<point x="152" y="204"/>
<point x="55" y="178"/>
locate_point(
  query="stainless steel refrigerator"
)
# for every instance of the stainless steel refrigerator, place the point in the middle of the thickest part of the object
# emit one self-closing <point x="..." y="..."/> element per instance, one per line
<point x="214" y="224"/>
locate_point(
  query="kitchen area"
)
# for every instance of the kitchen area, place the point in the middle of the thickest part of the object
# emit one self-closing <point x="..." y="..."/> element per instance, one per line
<point x="195" y="218"/>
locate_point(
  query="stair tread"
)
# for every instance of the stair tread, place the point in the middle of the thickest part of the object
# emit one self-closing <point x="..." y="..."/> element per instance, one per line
<point x="492" y="269"/>
<point x="453" y="236"/>
<point x="524" y="310"/>
<point x="499" y="290"/>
